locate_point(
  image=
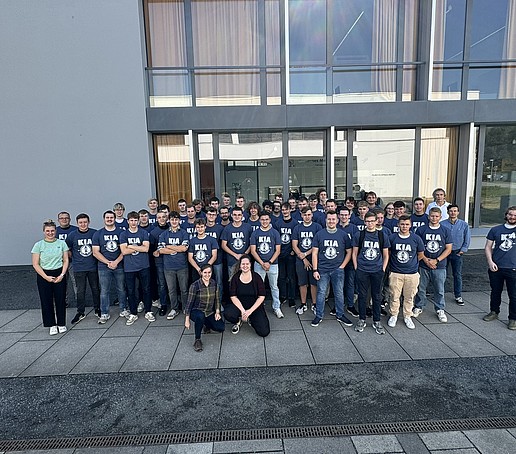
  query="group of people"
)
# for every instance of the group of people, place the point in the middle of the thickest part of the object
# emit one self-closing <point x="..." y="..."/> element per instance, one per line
<point x="213" y="262"/>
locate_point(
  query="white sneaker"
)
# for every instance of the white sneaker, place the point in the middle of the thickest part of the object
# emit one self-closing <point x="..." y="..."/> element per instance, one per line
<point x="125" y="313"/>
<point x="104" y="318"/>
<point x="278" y="313"/>
<point x="131" y="319"/>
<point x="409" y="323"/>
<point x="392" y="321"/>
<point x="150" y="316"/>
<point x="300" y="310"/>
<point x="53" y="330"/>
<point x="141" y="306"/>
<point x="172" y="314"/>
<point x="61" y="329"/>
<point x="156" y="303"/>
<point x="416" y="311"/>
<point x="442" y="316"/>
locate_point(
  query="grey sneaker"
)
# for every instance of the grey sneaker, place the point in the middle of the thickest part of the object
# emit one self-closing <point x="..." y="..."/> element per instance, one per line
<point x="172" y="314"/>
<point x="378" y="327"/>
<point x="150" y="317"/>
<point x="103" y="319"/>
<point x="300" y="309"/>
<point x="512" y="324"/>
<point x="359" y="327"/>
<point x="416" y="312"/>
<point x="490" y="317"/>
<point x="459" y="301"/>
<point x="141" y="306"/>
<point x="131" y="319"/>
<point x="442" y="316"/>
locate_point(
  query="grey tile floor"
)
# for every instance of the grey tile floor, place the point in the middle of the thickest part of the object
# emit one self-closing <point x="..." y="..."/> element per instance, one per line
<point x="27" y="349"/>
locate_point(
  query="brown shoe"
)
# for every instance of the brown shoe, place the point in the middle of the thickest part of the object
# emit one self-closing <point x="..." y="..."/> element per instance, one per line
<point x="197" y="345"/>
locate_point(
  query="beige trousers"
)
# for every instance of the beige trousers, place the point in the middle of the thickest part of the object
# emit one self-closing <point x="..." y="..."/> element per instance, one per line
<point x="405" y="284"/>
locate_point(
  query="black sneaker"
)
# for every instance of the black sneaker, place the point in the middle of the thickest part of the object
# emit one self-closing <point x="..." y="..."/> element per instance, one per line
<point x="369" y="312"/>
<point x="116" y="302"/>
<point x="162" y="310"/>
<point x="78" y="317"/>
<point x="383" y="311"/>
<point x="316" y="321"/>
<point x="333" y="312"/>
<point x="98" y="313"/>
<point x="291" y="303"/>
<point x="459" y="301"/>
<point x="351" y="310"/>
<point x="344" y="320"/>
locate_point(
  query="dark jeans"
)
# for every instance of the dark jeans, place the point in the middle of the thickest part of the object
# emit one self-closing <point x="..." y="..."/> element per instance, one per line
<point x="373" y="281"/>
<point x="349" y="286"/>
<point x="132" y="292"/>
<point x="497" y="279"/>
<point x="258" y="318"/>
<point x="200" y="320"/>
<point x="455" y="262"/>
<point x="53" y="299"/>
<point x="93" y="280"/>
<point x="287" y="277"/>
<point x="162" y="285"/>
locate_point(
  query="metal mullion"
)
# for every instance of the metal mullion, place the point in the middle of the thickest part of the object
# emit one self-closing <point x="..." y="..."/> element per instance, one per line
<point x="284" y="71"/>
<point x="329" y="53"/>
<point x="216" y="163"/>
<point x="262" y="52"/>
<point x="400" y="51"/>
<point x="466" y="51"/>
<point x="417" y="162"/>
<point x="284" y="146"/>
<point x="189" y="48"/>
<point x="478" y="176"/>
<point x="350" y="138"/>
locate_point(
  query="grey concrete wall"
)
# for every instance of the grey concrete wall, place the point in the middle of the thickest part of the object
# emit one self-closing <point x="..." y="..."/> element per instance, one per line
<point x="73" y="130"/>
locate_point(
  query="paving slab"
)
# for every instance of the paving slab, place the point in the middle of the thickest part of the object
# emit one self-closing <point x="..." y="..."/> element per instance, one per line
<point x="223" y="447"/>
<point x="9" y="339"/>
<point x="245" y="349"/>
<point x="161" y="449"/>
<point x="21" y="355"/>
<point x="457" y="451"/>
<point x="495" y="332"/>
<point x="445" y="440"/>
<point x="499" y="441"/>
<point x="412" y="443"/>
<point x="287" y="323"/>
<point x="186" y="358"/>
<point x="92" y="321"/>
<point x="420" y="343"/>
<point x="41" y="333"/>
<point x="375" y="347"/>
<point x="197" y="448"/>
<point x="330" y="343"/>
<point x="9" y="315"/>
<point x="464" y="341"/>
<point x="288" y="348"/>
<point x="318" y="445"/>
<point x="24" y="322"/>
<point x="62" y="357"/>
<point x="42" y="451"/>
<point x="453" y="308"/>
<point x="116" y="450"/>
<point x="161" y="320"/>
<point x="429" y="317"/>
<point x="368" y="444"/>
<point x="154" y="350"/>
<point x="119" y="328"/>
<point x="107" y="355"/>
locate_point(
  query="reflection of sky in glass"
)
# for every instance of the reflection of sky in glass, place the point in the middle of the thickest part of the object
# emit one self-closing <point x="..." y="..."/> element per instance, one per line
<point x="455" y="14"/>
<point x="307" y="34"/>
<point x="488" y="29"/>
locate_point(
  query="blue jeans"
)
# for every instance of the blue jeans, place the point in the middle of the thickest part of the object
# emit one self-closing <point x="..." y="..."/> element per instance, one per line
<point x="217" y="274"/>
<point x="435" y="278"/>
<point x="336" y="277"/>
<point x="106" y="278"/>
<point x="349" y="285"/>
<point x="456" y="265"/>
<point x="272" y="274"/>
<point x="366" y="281"/>
<point x="200" y="320"/>
<point x="496" y="280"/>
<point x="174" y="277"/>
<point x="162" y="285"/>
<point x="132" y="291"/>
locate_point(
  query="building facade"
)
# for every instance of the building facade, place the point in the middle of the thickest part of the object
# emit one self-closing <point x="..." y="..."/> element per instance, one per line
<point x="193" y="98"/>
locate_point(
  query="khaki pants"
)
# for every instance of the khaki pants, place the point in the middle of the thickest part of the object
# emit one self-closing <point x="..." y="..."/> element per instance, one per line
<point x="405" y="284"/>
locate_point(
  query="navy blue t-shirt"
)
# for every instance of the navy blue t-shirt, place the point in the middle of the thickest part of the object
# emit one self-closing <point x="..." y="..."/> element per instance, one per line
<point x="504" y="250"/>
<point x="418" y="221"/>
<point x="435" y="241"/>
<point x="358" y="222"/>
<point x="331" y="249"/>
<point x="254" y="224"/>
<point x="216" y="232"/>
<point x="154" y="234"/>
<point x="350" y="229"/>
<point x="189" y="228"/>
<point x="80" y="243"/>
<point x="319" y="217"/>
<point x="285" y="229"/>
<point x="179" y="260"/>
<point x="122" y="223"/>
<point x="109" y="243"/>
<point x="305" y="234"/>
<point x="62" y="234"/>
<point x="152" y="218"/>
<point x="370" y="257"/>
<point x="404" y="253"/>
<point x="237" y="239"/>
<point x="202" y="249"/>
<point x="265" y="243"/>
<point x="136" y="261"/>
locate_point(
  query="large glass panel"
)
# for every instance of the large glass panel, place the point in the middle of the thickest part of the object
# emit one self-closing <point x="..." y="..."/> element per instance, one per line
<point x="340" y="152"/>
<point x="492" y="82"/>
<point x="490" y="32"/>
<point x="384" y="163"/>
<point x="447" y="83"/>
<point x="206" y="170"/>
<point x="172" y="154"/>
<point x="306" y="162"/>
<point x="272" y="50"/>
<point x="225" y="33"/>
<point x="499" y="174"/>
<point x="438" y="166"/>
<point x="251" y="165"/>
<point x="472" y="175"/>
<point x="364" y="84"/>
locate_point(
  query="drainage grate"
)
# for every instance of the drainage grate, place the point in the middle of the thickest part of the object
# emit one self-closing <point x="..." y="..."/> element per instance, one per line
<point x="258" y="434"/>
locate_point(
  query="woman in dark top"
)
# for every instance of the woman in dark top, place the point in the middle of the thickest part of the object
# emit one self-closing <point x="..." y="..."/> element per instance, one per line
<point x="203" y="306"/>
<point x="247" y="293"/>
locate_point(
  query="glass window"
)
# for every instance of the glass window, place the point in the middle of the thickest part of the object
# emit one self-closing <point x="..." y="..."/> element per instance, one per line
<point x="206" y="169"/>
<point x="172" y="157"/>
<point x="251" y="165"/>
<point x="306" y="162"/>
<point x="340" y="151"/>
<point x="498" y="175"/>
<point x="489" y="31"/>
<point x="272" y="51"/>
<point x="438" y="166"/>
<point x="384" y="163"/>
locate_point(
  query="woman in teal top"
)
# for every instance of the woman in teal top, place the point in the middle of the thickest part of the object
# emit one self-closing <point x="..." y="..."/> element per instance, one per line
<point x="50" y="260"/>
